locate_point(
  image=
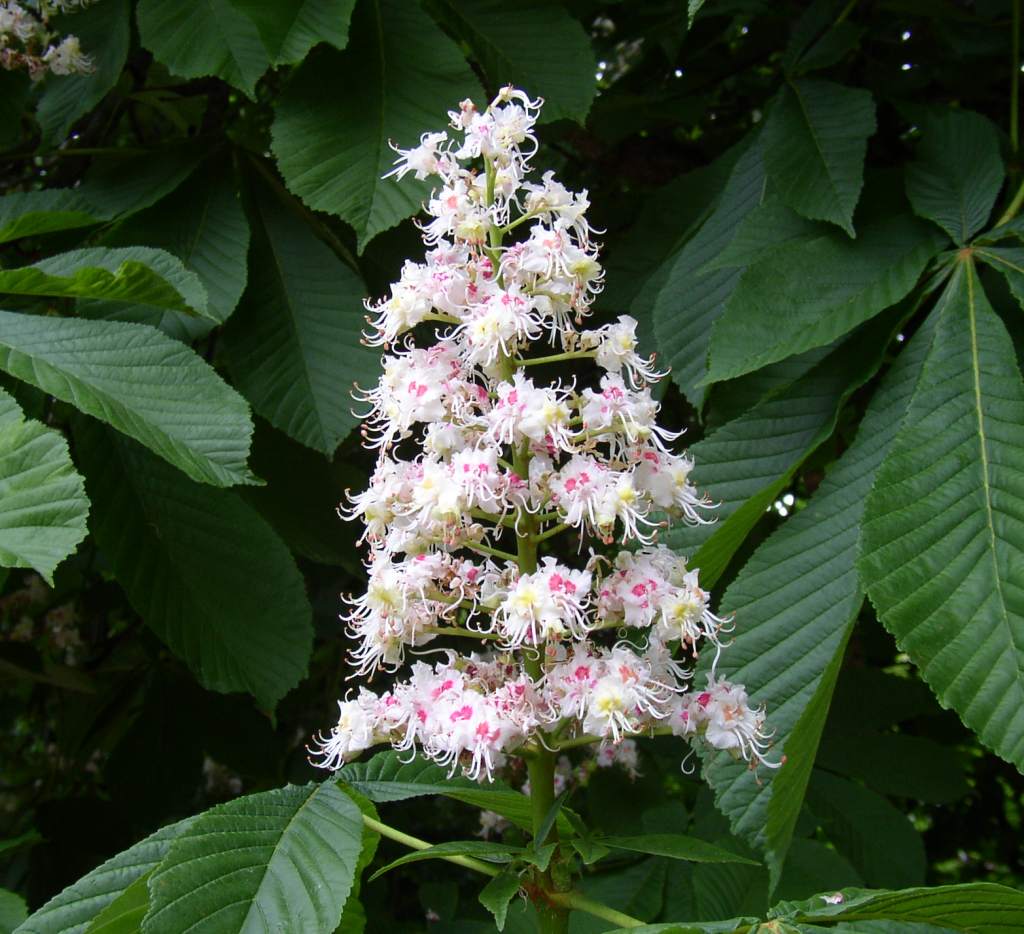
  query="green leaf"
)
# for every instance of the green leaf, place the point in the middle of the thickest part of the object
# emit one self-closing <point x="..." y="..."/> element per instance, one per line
<point x="637" y="890"/>
<point x="43" y="506"/>
<point x="874" y="836"/>
<point x="301" y="496"/>
<point x="290" y="30"/>
<point x="747" y="462"/>
<point x="977" y="907"/>
<point x="294" y="346"/>
<point x="197" y="38"/>
<point x="72" y="910"/>
<point x="950" y="496"/>
<point x="692" y="9"/>
<point x="353" y="917"/>
<point x="479" y="849"/>
<point x="795" y="602"/>
<point x="134" y="275"/>
<point x="104" y="32"/>
<point x="204" y="571"/>
<point x="812" y="866"/>
<point x="29" y="213"/>
<point x="141" y="382"/>
<point x="1010" y="262"/>
<point x="686" y="300"/>
<point x="675" y="846"/>
<point x="778" y="310"/>
<point x="957" y="174"/>
<point x="204" y="226"/>
<point x="816" y="137"/>
<point x="125" y="913"/>
<point x="386" y="777"/>
<point x="764" y="230"/>
<point x="120" y="185"/>
<point x="896" y="764"/>
<point x="496" y="895"/>
<point x="332" y="148"/>
<point x="13" y="911"/>
<point x="276" y="861"/>
<point x="533" y="45"/>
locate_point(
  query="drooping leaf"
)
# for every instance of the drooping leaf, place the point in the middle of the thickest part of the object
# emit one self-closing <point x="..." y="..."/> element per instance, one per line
<point x="294" y="345"/>
<point x="125" y="913"/>
<point x="204" y="226"/>
<point x="675" y="846"/>
<point x="104" y="33"/>
<point x="685" y="301"/>
<point x="747" y="462"/>
<point x="43" y="506"/>
<point x="874" y="836"/>
<point x="778" y="310"/>
<point x="141" y="382"/>
<point x="795" y="602"/>
<point x="196" y="38"/>
<point x="496" y="895"/>
<point x="275" y="861"/>
<point x="533" y="45"/>
<point x="386" y="777"/>
<point x="815" y="141"/>
<point x="486" y="850"/>
<point x="72" y="910"/>
<point x="1010" y="262"/>
<point x="957" y="174"/>
<point x="290" y="30"/>
<point x="201" y="568"/>
<point x="333" y="148"/>
<point x="130" y="275"/>
<point x="941" y="552"/>
<point x="977" y="907"/>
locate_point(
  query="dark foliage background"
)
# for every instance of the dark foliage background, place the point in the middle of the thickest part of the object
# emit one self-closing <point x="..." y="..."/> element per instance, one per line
<point x="188" y="647"/>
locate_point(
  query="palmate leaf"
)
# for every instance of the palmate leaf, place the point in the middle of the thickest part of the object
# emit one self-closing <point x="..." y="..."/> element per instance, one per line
<point x="196" y="38"/>
<point x="43" y="506"/>
<point x="72" y="911"/>
<point x="203" y="225"/>
<point x="747" y="462"/>
<point x="332" y="147"/>
<point x="534" y="45"/>
<point x="104" y="30"/>
<point x="290" y="30"/>
<point x="795" y="602"/>
<point x="294" y="346"/>
<point x="141" y="382"/>
<point x="675" y="846"/>
<point x="778" y="309"/>
<point x="201" y="568"/>
<point x="685" y="299"/>
<point x="282" y="860"/>
<point x="941" y="553"/>
<point x="133" y="275"/>
<point x="13" y="911"/>
<point x="815" y="140"/>
<point x="957" y="174"/>
<point x="125" y="913"/>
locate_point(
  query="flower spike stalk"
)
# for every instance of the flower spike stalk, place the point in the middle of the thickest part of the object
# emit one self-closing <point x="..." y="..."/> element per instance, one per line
<point x="498" y="495"/>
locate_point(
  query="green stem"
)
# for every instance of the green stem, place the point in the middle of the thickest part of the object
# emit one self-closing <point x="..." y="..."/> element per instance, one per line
<point x="550" y="533"/>
<point x="415" y="843"/>
<point x="556" y="358"/>
<point x="1011" y="212"/>
<point x="582" y="903"/>
<point x="493" y="552"/>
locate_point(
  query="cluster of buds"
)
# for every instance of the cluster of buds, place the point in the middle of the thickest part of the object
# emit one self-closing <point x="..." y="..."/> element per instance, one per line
<point x="28" y="43"/>
<point x="503" y="507"/>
